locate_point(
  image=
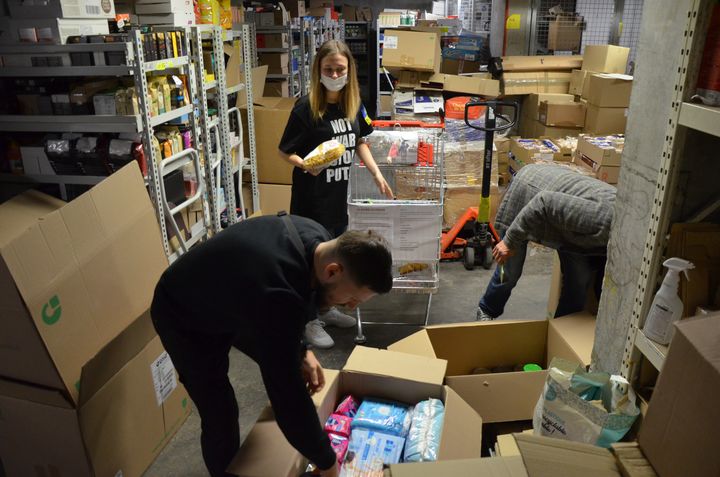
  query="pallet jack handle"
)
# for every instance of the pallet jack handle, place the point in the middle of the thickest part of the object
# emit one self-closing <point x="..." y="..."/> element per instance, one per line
<point x="492" y="105"/>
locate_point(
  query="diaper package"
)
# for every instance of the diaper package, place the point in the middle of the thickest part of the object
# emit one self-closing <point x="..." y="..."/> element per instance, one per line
<point x="348" y="407"/>
<point x="339" y="444"/>
<point x="423" y="440"/>
<point x="368" y="451"/>
<point x="383" y="416"/>
<point x="338" y="424"/>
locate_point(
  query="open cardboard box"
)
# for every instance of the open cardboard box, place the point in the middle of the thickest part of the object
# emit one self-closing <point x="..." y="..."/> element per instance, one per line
<point x="368" y="373"/>
<point x="119" y="425"/>
<point x="502" y="397"/>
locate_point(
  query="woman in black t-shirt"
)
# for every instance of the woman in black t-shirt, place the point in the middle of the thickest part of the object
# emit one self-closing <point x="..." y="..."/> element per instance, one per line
<point x="332" y="110"/>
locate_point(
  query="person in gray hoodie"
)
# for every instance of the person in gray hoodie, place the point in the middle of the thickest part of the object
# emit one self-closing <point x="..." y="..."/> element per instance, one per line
<point x="561" y="209"/>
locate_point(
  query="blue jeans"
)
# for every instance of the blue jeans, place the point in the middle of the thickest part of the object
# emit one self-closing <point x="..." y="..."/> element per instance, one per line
<point x="578" y="272"/>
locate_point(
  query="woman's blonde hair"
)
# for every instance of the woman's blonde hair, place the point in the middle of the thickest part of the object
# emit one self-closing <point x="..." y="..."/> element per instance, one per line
<point x="349" y="99"/>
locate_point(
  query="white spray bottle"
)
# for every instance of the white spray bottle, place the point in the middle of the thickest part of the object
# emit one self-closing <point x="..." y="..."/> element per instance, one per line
<point x="667" y="307"/>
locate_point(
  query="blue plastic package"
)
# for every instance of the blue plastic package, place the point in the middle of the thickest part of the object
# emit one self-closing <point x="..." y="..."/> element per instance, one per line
<point x="368" y="451"/>
<point x="384" y="416"/>
<point x="423" y="440"/>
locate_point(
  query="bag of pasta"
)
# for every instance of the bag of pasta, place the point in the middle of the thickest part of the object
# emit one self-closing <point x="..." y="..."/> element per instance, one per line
<point x="322" y="156"/>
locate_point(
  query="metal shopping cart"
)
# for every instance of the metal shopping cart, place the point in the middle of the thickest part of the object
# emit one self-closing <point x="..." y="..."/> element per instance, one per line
<point x="410" y="156"/>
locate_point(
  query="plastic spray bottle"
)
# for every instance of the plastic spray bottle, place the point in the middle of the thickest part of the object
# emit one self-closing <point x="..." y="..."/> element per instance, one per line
<point x="667" y="307"/>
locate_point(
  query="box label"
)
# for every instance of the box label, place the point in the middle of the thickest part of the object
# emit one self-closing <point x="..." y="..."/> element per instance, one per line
<point x="390" y="43"/>
<point x="163" y="373"/>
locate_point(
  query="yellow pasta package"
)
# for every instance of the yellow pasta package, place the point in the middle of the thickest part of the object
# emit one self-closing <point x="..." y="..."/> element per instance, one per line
<point x="323" y="155"/>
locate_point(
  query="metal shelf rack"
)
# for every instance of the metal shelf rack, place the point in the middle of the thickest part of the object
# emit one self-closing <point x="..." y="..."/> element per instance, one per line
<point x="295" y="88"/>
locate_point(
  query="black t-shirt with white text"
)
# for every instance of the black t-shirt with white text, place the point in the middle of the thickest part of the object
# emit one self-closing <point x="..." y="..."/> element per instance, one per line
<point x="322" y="198"/>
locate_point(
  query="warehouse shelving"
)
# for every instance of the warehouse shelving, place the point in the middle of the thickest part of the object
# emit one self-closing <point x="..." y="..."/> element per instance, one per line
<point x="295" y="87"/>
<point x="701" y="118"/>
<point x="84" y="123"/>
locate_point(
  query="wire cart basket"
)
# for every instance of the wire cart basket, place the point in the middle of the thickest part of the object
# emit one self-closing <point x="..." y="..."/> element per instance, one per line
<point x="410" y="157"/>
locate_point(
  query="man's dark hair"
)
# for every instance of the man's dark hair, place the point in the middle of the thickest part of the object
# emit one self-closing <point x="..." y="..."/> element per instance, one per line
<point x="368" y="260"/>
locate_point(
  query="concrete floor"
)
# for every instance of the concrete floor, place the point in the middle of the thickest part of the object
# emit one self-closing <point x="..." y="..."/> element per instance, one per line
<point x="456" y="301"/>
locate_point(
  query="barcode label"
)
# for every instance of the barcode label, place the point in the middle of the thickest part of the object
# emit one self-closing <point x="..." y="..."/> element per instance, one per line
<point x="92" y="9"/>
<point x="163" y="373"/>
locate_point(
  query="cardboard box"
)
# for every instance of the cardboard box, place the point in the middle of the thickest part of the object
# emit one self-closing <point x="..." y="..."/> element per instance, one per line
<point x="271" y="116"/>
<point x="409" y="79"/>
<point x="535" y="82"/>
<point x="272" y="40"/>
<point x="566" y="115"/>
<point x="455" y="67"/>
<point x="540" y="149"/>
<point x="608" y="91"/>
<point x="478" y="84"/>
<point x="605" y="120"/>
<point x="277" y="63"/>
<point x="411" y="50"/>
<point x="601" y="150"/>
<point x="61" y="9"/>
<point x="277" y="89"/>
<point x="52" y="30"/>
<point x="530" y="110"/>
<point x="349" y="13"/>
<point x="591" y="303"/>
<point x="605" y="58"/>
<point x="367" y="373"/>
<point x="118" y="427"/>
<point x="541" y="63"/>
<point x="609" y="174"/>
<point x="565" y="33"/>
<point x="274" y="198"/>
<point x="577" y="80"/>
<point x="74" y="276"/>
<point x="296" y="8"/>
<point x="502" y="397"/>
<point x="541" y="130"/>
<point x="679" y="432"/>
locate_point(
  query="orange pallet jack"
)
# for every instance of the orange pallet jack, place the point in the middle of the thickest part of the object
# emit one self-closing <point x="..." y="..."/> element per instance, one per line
<point x="477" y="249"/>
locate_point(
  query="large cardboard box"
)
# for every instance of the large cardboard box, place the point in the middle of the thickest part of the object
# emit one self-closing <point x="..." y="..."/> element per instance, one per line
<point x="412" y="50"/>
<point x="541" y="63"/>
<point x="535" y="82"/>
<point x="274" y="198"/>
<point x="605" y="120"/>
<point x="608" y="90"/>
<point x="503" y="396"/>
<point x="679" y="434"/>
<point x="62" y="9"/>
<point x="131" y="404"/>
<point x="577" y="80"/>
<point x="528" y="151"/>
<point x="603" y="151"/>
<point x="367" y="373"/>
<point x="565" y="32"/>
<point x="605" y="58"/>
<point x="277" y="63"/>
<point x="530" y="110"/>
<point x="277" y="89"/>
<point x="566" y="115"/>
<point x="74" y="276"/>
<point x="271" y="116"/>
<point x="591" y="303"/>
<point x="609" y="174"/>
<point x="541" y="130"/>
<point x="478" y="84"/>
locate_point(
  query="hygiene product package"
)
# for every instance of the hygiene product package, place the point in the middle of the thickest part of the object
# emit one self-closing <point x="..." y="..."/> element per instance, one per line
<point x="324" y="155"/>
<point x="339" y="444"/>
<point x="368" y="451"/>
<point x="576" y="405"/>
<point x="338" y="424"/>
<point x="383" y="416"/>
<point x="423" y="440"/>
<point x="348" y="407"/>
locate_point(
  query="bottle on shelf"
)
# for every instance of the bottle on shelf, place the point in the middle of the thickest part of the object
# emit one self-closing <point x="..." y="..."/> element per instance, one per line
<point x="667" y="307"/>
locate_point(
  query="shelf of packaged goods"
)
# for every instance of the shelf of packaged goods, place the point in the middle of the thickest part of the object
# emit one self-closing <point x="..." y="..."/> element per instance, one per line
<point x="701" y="118"/>
<point x="170" y="115"/>
<point x="654" y="352"/>
<point x="70" y="123"/>
<point x="165" y="64"/>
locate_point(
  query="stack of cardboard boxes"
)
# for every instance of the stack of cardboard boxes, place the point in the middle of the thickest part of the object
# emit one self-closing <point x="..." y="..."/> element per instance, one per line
<point x="86" y="388"/>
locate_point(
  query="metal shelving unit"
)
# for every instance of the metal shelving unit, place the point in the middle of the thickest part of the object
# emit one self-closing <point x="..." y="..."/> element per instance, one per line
<point x="295" y="88"/>
<point x="683" y="117"/>
<point x="85" y="123"/>
<point x="249" y="162"/>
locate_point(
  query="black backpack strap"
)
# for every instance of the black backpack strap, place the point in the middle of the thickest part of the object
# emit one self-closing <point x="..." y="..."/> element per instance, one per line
<point x="292" y="232"/>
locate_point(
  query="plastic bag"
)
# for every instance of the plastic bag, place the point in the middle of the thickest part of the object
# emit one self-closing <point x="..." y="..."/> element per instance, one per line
<point x="324" y="155"/>
<point x="338" y="424"/>
<point x="383" y="416"/>
<point x="368" y="451"/>
<point x="594" y="408"/>
<point x="348" y="407"/>
<point x="423" y="440"/>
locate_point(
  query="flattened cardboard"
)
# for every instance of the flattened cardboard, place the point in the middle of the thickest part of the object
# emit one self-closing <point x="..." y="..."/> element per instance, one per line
<point x="85" y="271"/>
<point x="528" y="82"/>
<point x="547" y="457"/>
<point x="477" y="84"/>
<point x="577" y="80"/>
<point x="541" y="63"/>
<point x="679" y="433"/>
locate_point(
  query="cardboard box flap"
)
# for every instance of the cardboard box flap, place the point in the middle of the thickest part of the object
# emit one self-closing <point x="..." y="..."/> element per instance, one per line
<point x="572" y="337"/>
<point x="258" y="75"/>
<point x="485" y="467"/>
<point x="24" y="210"/>
<point x="706" y="344"/>
<point x="394" y="364"/>
<point x="548" y="457"/>
<point x="417" y="343"/>
<point x="114" y="356"/>
<point x="51" y="397"/>
<point x="462" y="429"/>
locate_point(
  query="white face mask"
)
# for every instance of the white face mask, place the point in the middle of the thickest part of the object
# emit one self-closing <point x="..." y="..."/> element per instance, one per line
<point x="333" y="84"/>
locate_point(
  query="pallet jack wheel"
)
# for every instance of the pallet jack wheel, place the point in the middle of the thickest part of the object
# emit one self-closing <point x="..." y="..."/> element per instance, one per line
<point x="487" y="259"/>
<point x="469" y="258"/>
<point x="360" y="340"/>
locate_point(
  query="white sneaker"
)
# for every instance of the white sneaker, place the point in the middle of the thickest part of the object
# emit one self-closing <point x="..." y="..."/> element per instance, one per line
<point x="482" y="316"/>
<point x="335" y="317"/>
<point x="317" y="336"/>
